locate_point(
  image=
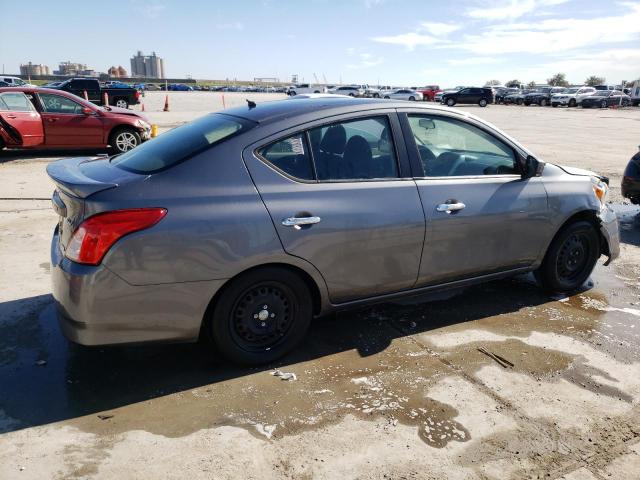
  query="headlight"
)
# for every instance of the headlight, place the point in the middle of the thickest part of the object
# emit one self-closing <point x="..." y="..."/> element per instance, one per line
<point x="142" y="124"/>
<point x="600" y="189"/>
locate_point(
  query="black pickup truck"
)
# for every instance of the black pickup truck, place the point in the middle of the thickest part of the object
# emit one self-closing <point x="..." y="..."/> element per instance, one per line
<point x="118" y="97"/>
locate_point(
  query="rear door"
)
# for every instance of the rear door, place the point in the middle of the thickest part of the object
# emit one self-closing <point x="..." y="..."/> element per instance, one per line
<point x="482" y="217"/>
<point x="21" y="123"/>
<point x="66" y="125"/>
<point x="341" y="197"/>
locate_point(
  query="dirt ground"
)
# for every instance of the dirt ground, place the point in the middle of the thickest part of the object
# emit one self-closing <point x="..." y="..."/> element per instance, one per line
<point x="393" y="391"/>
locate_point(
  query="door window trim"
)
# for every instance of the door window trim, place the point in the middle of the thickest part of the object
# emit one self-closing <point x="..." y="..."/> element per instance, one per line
<point x="403" y="162"/>
<point x="414" y="155"/>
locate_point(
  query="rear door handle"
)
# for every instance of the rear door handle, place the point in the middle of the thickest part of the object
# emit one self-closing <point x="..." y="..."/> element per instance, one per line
<point x="51" y="120"/>
<point x="12" y="116"/>
<point x="300" y="221"/>
<point x="450" y="207"/>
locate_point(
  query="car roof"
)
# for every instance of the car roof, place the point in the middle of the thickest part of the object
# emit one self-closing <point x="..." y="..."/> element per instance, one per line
<point x="273" y="111"/>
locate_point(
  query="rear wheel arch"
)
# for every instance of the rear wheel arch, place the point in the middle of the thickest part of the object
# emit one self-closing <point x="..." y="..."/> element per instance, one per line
<point x="308" y="280"/>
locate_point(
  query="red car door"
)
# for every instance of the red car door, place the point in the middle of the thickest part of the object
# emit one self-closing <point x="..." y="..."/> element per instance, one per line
<point x="20" y="123"/>
<point x="67" y="125"/>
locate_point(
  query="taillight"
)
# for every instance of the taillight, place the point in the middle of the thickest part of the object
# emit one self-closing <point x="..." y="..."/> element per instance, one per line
<point x="95" y="236"/>
<point x="137" y="94"/>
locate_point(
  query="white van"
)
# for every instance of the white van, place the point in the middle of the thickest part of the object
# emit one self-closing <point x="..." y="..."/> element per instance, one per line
<point x="15" y="82"/>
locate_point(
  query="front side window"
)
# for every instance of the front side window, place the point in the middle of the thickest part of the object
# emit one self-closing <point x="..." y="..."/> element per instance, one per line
<point x="354" y="150"/>
<point x="52" y="103"/>
<point x="291" y="156"/>
<point x="451" y="148"/>
<point x="181" y="143"/>
<point x="15" y="102"/>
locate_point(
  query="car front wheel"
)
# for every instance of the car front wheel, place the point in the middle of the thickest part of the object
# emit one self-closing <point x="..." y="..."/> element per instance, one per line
<point x="603" y="104"/>
<point x="412" y="99"/>
<point x="124" y="139"/>
<point x="572" y="102"/>
<point x="451" y="102"/>
<point x="571" y="258"/>
<point x="261" y="316"/>
<point x="543" y="103"/>
<point x="482" y="103"/>
<point x="122" y="103"/>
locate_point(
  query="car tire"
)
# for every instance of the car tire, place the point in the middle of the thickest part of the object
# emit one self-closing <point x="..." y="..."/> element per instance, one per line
<point x="451" y="102"/>
<point x="351" y="95"/>
<point x="519" y="101"/>
<point x="292" y="94"/>
<point x="387" y="97"/>
<point x="603" y="104"/>
<point x="543" y="102"/>
<point x="412" y="99"/>
<point x="572" y="102"/>
<point x="554" y="105"/>
<point x="482" y="102"/>
<point x="376" y="95"/>
<point x="625" y="103"/>
<point x="121" y="103"/>
<point x="237" y="327"/>
<point x="124" y="139"/>
<point x="570" y="258"/>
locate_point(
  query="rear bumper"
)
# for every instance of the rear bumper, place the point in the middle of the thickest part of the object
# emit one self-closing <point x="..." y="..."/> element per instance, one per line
<point x="97" y="307"/>
<point x="610" y="232"/>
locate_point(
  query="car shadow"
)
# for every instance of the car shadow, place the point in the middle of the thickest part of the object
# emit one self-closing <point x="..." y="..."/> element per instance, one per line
<point x="46" y="379"/>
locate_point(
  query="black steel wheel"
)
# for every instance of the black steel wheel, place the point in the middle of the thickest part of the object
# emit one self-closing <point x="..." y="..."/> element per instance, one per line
<point x="571" y="258"/>
<point x="261" y="316"/>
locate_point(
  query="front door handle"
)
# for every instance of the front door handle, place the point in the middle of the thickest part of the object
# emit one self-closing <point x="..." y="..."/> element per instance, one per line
<point x="450" y="207"/>
<point x="300" y="221"/>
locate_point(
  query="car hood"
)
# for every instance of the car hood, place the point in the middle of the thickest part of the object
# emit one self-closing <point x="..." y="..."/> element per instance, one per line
<point x="582" y="172"/>
<point x="126" y="112"/>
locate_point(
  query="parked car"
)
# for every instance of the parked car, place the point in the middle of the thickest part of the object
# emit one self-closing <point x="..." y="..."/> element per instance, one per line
<point x="118" y="84"/>
<point x="15" y="82"/>
<point x="438" y="96"/>
<point x="350" y="90"/>
<point x="41" y="118"/>
<point x="516" y="97"/>
<point x="542" y="96"/>
<point x="606" y="98"/>
<point x="429" y="92"/>
<point x="241" y="226"/>
<point x="4" y="84"/>
<point x="304" y="88"/>
<point x="500" y="93"/>
<point x="472" y="95"/>
<point x="635" y="93"/>
<point x="318" y="95"/>
<point x="119" y="97"/>
<point x="604" y="87"/>
<point x="180" y="87"/>
<point x="631" y="180"/>
<point x="571" y="97"/>
<point x="404" y="94"/>
<point x="50" y="85"/>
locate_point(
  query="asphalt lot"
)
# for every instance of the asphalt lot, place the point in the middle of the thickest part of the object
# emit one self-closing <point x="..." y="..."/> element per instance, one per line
<point x="393" y="391"/>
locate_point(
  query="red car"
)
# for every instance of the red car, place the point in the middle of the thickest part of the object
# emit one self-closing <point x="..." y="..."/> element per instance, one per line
<point x="429" y="92"/>
<point x="41" y="118"/>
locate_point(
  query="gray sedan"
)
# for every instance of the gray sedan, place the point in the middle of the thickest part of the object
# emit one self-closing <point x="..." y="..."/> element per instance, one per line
<point x="240" y="227"/>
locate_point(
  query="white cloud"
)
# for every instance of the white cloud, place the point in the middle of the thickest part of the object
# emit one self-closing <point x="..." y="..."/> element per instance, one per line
<point x="150" y="10"/>
<point x="409" y="40"/>
<point x="230" y="26"/>
<point x="511" y="9"/>
<point x="366" y="61"/>
<point x="439" y="29"/>
<point x="474" y="61"/>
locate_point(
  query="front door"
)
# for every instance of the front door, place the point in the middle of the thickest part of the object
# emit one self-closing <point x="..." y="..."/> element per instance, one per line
<point x="482" y="217"/>
<point x="340" y="199"/>
<point x="66" y="125"/>
<point x="19" y="120"/>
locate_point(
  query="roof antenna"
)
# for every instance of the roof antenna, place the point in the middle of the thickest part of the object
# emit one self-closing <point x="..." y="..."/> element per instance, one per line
<point x="251" y="104"/>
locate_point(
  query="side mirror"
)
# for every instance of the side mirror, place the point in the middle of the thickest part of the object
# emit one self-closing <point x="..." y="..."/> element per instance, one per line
<point x="426" y="123"/>
<point x="532" y="167"/>
<point x="87" y="111"/>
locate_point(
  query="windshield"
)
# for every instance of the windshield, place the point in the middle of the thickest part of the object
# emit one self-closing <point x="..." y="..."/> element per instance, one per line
<point x="601" y="93"/>
<point x="572" y="90"/>
<point x="181" y="143"/>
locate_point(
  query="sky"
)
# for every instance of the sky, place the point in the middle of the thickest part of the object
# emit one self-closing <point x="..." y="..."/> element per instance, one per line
<point x="400" y="43"/>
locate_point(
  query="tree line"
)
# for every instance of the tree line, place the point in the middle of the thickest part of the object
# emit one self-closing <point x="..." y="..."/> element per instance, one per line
<point x="558" y="80"/>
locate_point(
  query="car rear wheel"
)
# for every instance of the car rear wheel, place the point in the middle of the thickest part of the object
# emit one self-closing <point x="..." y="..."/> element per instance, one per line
<point x="482" y="102"/>
<point x="261" y="316"/>
<point x="124" y="139"/>
<point x="122" y="103"/>
<point x="603" y="104"/>
<point x="451" y="102"/>
<point x="519" y="101"/>
<point x="570" y="258"/>
<point x="543" y="103"/>
<point x="412" y="99"/>
<point x="387" y="97"/>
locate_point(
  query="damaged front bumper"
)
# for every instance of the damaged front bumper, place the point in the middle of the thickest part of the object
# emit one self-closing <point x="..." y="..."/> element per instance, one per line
<point x="610" y="233"/>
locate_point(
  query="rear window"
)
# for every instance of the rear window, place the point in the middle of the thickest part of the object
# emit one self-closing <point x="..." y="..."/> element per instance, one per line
<point x="181" y="143"/>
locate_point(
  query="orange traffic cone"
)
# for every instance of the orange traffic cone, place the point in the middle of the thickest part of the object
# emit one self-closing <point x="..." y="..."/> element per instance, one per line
<point x="86" y="95"/>
<point x="166" y="104"/>
<point x="105" y="99"/>
<point x="142" y="107"/>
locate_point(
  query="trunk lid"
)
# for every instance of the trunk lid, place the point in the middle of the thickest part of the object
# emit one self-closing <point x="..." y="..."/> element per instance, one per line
<point x="76" y="179"/>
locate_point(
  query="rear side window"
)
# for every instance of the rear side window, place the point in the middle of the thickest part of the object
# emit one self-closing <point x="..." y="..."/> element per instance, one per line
<point x="181" y="143"/>
<point x="291" y="156"/>
<point x="15" y="102"/>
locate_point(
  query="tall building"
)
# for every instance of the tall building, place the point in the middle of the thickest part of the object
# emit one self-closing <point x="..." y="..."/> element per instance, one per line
<point x="33" y="69"/>
<point x="150" y="66"/>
